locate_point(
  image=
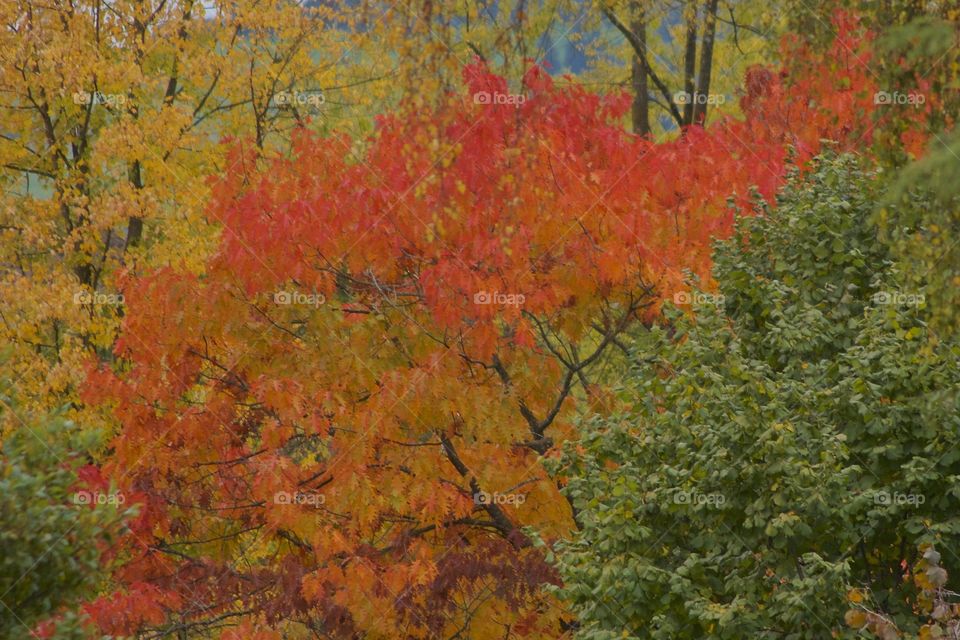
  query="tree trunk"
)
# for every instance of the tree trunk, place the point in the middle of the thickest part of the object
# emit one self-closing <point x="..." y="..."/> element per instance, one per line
<point x="641" y="97"/>
<point x="706" y="64"/>
<point x="135" y="223"/>
<point x="690" y="65"/>
<point x="640" y="48"/>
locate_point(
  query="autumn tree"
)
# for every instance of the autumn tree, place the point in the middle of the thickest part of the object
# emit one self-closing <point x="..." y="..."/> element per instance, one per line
<point x="338" y="428"/>
<point x="111" y="116"/>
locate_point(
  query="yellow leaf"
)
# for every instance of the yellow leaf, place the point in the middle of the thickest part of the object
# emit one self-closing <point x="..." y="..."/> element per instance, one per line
<point x="855" y="618"/>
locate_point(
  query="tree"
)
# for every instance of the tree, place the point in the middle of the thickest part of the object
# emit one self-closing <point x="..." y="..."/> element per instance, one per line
<point x="112" y="117"/>
<point x="795" y="437"/>
<point x="337" y="429"/>
<point x="55" y="520"/>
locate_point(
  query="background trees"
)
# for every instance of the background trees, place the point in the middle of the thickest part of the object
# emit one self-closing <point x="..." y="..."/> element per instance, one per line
<point x="677" y="80"/>
<point x="793" y="439"/>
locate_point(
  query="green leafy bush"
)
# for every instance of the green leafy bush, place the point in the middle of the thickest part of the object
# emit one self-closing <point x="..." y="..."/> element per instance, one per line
<point x="795" y="439"/>
<point x="50" y="528"/>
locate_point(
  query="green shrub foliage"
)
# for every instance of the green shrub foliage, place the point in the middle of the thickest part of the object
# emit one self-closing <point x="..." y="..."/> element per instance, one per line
<point x="794" y="437"/>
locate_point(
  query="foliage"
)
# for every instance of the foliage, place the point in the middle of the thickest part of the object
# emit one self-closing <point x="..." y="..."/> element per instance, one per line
<point x="917" y="59"/>
<point x="114" y="114"/>
<point x="50" y="533"/>
<point x="112" y="117"/>
<point x="792" y="440"/>
<point x="344" y="356"/>
<point x="936" y="606"/>
<point x="924" y="226"/>
<point x="384" y="339"/>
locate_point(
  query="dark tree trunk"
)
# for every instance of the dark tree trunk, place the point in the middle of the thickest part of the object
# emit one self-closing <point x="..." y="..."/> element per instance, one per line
<point x="135" y="223"/>
<point x="706" y="64"/>
<point x="640" y="111"/>
<point x="690" y="64"/>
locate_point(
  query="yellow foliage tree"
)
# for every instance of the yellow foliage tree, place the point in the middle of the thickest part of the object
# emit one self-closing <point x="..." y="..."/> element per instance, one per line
<point x="111" y="118"/>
